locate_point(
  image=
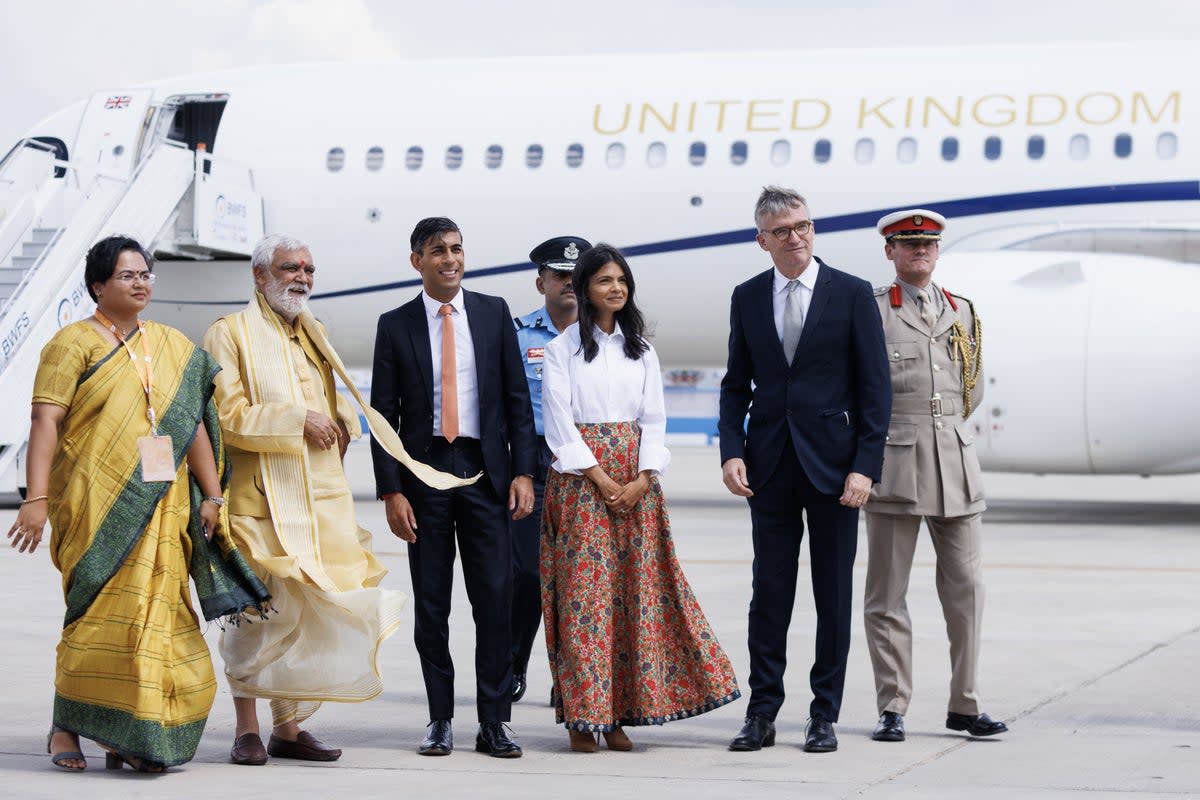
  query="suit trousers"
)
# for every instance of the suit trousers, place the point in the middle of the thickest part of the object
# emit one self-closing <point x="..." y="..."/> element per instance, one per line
<point x="891" y="540"/>
<point x="778" y="528"/>
<point x="475" y="519"/>
<point x="527" y="577"/>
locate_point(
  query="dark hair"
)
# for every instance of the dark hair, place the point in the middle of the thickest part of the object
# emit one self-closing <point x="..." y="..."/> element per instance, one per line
<point x="102" y="259"/>
<point x="428" y="228"/>
<point x="633" y="326"/>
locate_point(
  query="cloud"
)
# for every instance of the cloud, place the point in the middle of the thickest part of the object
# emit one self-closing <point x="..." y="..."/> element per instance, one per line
<point x="321" y="30"/>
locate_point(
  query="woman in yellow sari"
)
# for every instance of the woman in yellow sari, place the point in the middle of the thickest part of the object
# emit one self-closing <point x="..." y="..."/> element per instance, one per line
<point x="125" y="461"/>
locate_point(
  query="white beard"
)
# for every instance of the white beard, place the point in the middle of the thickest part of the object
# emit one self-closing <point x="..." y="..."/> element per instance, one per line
<point x="284" y="301"/>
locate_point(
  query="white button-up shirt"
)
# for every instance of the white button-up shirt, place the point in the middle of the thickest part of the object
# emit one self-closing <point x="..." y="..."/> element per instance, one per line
<point x="610" y="388"/>
<point x="464" y="362"/>
<point x="808" y="279"/>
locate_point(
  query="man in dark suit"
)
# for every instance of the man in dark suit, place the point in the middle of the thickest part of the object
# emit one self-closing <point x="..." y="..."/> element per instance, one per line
<point x="447" y="372"/>
<point x="807" y="360"/>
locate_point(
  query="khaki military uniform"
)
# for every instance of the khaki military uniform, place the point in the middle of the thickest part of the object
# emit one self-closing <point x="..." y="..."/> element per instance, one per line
<point x="930" y="472"/>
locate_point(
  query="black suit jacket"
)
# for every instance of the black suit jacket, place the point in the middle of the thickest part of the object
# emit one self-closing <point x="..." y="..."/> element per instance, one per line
<point x="834" y="399"/>
<point x="402" y="391"/>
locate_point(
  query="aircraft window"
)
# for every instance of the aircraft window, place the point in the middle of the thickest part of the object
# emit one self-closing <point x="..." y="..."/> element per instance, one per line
<point x="414" y="157"/>
<point x="991" y="148"/>
<point x="1168" y="145"/>
<point x="1035" y="148"/>
<point x="574" y="155"/>
<point x="906" y="150"/>
<point x="615" y="155"/>
<point x="335" y="159"/>
<point x="533" y="156"/>
<point x="656" y="154"/>
<point x="375" y="159"/>
<point x="864" y="151"/>
<point x="781" y="152"/>
<point x="454" y="157"/>
<point x="1123" y="145"/>
<point x="822" y="151"/>
<point x="1079" y="146"/>
<point x="493" y="156"/>
<point x="697" y="153"/>
<point x="738" y="152"/>
<point x="949" y="148"/>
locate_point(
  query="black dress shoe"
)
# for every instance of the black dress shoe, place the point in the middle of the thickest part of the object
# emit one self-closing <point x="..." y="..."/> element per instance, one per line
<point x="519" y="686"/>
<point x="890" y="727"/>
<point x="820" y="737"/>
<point x="494" y="740"/>
<point x="756" y="733"/>
<point x="975" y="724"/>
<point x="440" y="740"/>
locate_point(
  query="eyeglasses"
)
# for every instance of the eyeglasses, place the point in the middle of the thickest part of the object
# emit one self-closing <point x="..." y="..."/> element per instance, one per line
<point x="132" y="277"/>
<point x="800" y="229"/>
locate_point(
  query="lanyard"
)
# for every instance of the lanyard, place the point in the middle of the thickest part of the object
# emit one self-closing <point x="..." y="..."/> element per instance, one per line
<point x="146" y="379"/>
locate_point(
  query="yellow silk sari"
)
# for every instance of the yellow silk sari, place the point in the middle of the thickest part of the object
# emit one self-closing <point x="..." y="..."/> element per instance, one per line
<point x="133" y="671"/>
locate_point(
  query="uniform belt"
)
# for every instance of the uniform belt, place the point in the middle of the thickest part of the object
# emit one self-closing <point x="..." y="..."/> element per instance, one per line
<point x="940" y="405"/>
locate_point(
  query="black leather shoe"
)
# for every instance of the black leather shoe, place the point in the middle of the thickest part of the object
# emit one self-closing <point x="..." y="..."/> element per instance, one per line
<point x="756" y="733"/>
<point x="819" y="738"/>
<point x="975" y="725"/>
<point x="440" y="740"/>
<point x="519" y="686"/>
<point x="494" y="740"/>
<point x="890" y="727"/>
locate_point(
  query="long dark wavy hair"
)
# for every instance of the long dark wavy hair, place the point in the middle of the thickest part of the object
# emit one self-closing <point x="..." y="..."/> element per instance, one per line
<point x="633" y="325"/>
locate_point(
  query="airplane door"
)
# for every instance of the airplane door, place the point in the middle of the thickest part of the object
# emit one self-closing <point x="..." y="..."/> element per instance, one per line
<point x="111" y="131"/>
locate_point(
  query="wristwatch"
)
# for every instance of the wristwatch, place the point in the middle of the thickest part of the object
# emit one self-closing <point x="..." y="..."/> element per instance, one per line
<point x="216" y="501"/>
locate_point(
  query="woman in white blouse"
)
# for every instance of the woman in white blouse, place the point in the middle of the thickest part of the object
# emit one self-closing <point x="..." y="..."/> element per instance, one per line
<point x="627" y="641"/>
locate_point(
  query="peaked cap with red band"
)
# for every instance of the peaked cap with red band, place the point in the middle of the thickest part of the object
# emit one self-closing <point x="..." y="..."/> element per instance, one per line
<point x="914" y="223"/>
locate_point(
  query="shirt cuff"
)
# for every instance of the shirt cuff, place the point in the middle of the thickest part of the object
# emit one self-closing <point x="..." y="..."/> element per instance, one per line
<point x="574" y="458"/>
<point x="654" y="458"/>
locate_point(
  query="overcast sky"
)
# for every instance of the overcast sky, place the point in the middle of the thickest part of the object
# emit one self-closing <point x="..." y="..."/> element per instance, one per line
<point x="54" y="52"/>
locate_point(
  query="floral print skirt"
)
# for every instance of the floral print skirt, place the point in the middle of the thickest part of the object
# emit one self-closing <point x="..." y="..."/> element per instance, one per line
<point x="627" y="641"/>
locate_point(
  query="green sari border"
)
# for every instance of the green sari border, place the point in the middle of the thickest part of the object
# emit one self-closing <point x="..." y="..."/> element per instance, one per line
<point x="139" y="738"/>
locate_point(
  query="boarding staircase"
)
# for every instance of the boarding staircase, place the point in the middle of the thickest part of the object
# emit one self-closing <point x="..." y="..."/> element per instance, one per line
<point x="52" y="211"/>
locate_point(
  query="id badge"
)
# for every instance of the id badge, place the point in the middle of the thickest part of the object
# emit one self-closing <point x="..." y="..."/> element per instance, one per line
<point x="158" y="459"/>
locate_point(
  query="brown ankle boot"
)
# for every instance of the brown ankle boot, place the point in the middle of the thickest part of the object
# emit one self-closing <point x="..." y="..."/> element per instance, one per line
<point x="583" y="742"/>
<point x="617" y="740"/>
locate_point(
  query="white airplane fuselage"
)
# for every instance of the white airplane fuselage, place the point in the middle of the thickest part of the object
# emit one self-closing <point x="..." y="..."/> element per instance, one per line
<point x="1089" y="361"/>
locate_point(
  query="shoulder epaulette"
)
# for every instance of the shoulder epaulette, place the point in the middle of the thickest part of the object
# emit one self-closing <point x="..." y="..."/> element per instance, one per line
<point x="520" y="323"/>
<point x="881" y="290"/>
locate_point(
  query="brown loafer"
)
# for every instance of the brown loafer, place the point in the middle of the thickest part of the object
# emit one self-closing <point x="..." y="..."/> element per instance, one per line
<point x="306" y="748"/>
<point x="248" y="749"/>
<point x="617" y="739"/>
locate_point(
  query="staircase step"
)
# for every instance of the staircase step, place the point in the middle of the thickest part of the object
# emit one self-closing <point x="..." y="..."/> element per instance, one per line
<point x="43" y="235"/>
<point x="22" y="262"/>
<point x="32" y="249"/>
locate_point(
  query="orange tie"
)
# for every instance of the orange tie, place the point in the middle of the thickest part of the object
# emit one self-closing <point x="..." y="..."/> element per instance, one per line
<point x="449" y="376"/>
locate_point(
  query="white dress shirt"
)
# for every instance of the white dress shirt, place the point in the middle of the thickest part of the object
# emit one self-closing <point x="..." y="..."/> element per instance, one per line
<point x="808" y="279"/>
<point x="464" y="362"/>
<point x="611" y="388"/>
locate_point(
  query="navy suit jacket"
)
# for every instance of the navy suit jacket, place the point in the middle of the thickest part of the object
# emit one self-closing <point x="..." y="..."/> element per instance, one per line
<point x="402" y="391"/>
<point x="832" y="402"/>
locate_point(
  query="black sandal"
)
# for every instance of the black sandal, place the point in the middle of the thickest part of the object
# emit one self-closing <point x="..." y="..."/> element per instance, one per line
<point x="57" y="759"/>
<point x="115" y="760"/>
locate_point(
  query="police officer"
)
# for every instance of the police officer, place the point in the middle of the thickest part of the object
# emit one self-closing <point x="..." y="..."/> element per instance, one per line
<point x="930" y="472"/>
<point x="555" y="260"/>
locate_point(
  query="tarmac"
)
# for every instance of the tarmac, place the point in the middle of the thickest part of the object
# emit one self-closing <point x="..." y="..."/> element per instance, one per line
<point x="1090" y="638"/>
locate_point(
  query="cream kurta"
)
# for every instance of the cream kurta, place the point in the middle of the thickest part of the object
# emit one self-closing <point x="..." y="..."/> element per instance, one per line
<point x="321" y="642"/>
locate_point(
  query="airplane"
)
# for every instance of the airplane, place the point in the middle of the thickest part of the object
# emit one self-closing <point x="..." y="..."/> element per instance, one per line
<point x="1066" y="173"/>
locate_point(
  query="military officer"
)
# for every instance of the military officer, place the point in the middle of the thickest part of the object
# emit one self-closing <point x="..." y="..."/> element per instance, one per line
<point x="555" y="260"/>
<point x="930" y="472"/>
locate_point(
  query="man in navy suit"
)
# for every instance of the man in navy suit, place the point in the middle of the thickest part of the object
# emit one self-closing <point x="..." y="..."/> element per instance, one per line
<point x="807" y="361"/>
<point x="447" y="372"/>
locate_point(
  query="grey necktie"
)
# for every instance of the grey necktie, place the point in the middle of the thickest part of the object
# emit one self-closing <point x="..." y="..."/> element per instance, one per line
<point x="793" y="320"/>
<point x="928" y="315"/>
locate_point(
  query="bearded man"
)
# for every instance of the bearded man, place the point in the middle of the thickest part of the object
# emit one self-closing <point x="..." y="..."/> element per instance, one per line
<point x="292" y="513"/>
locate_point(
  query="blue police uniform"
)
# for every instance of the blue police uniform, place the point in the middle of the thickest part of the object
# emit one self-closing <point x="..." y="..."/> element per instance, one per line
<point x="534" y="332"/>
